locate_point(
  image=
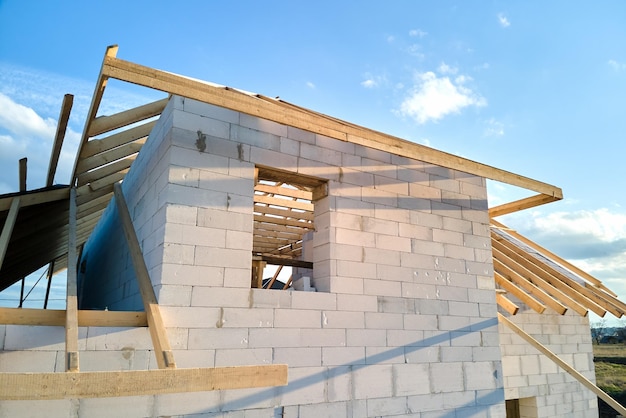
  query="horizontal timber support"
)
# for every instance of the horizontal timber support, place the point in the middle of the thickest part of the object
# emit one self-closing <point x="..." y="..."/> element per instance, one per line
<point x="56" y="317"/>
<point x="47" y="386"/>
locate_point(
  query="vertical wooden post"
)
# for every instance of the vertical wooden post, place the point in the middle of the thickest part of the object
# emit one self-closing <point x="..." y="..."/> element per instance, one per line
<point x="23" y="173"/>
<point x="71" y="312"/>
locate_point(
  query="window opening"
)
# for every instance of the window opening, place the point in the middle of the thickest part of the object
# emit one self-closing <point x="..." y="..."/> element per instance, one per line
<point x="284" y="206"/>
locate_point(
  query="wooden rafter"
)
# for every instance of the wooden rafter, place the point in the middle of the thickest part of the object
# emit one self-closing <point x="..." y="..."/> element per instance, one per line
<point x="7" y="228"/>
<point x="163" y="351"/>
<point x="519" y="292"/>
<point x="64" y="116"/>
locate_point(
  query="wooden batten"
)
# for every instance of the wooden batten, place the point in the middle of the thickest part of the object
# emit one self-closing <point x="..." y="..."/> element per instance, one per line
<point x="104" y="124"/>
<point x="7" y="228"/>
<point x="162" y="348"/>
<point x="49" y="386"/>
<point x="56" y="317"/>
<point x="526" y="203"/>
<point x="505" y="253"/>
<point x="96" y="146"/>
<point x="528" y="286"/>
<point x="71" y="312"/>
<point x="36" y="198"/>
<point x="519" y="293"/>
<point x="506" y="304"/>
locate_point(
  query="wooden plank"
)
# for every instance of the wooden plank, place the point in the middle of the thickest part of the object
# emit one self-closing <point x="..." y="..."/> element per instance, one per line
<point x="86" y="318"/>
<point x="108" y="180"/>
<point x="516" y="262"/>
<point x="550" y="276"/>
<point x="285" y="203"/>
<point x="85" y="194"/>
<point x="274" y="277"/>
<point x="163" y="351"/>
<point x="105" y="170"/>
<point x="526" y="203"/>
<point x="285" y="222"/>
<point x="71" y="313"/>
<point x="95" y="203"/>
<point x="291" y="116"/>
<point x="96" y="98"/>
<point x="287" y="262"/>
<point x="549" y="254"/>
<point x="103" y="124"/>
<point x="48" y="386"/>
<point x="36" y="198"/>
<point x="283" y="213"/>
<point x="284" y="191"/>
<point x="527" y="285"/>
<point x="512" y="288"/>
<point x="7" y="228"/>
<point x="64" y="117"/>
<point x="23" y="169"/>
<point x="99" y="160"/>
<point x="96" y="146"/>
<point x="562" y="364"/>
<point x="506" y="304"/>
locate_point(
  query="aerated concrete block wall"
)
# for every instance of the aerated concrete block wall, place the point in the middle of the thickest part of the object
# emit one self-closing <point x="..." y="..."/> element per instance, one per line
<point x="544" y="389"/>
<point x="404" y="320"/>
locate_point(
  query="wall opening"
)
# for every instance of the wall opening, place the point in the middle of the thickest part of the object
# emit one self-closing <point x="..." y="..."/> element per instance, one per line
<point x="284" y="224"/>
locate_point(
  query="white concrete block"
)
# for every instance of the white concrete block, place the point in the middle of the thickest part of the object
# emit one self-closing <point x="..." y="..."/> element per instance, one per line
<point x="194" y="358"/>
<point x="222" y="257"/>
<point x="373" y="381"/>
<point x="178" y="274"/>
<point x="237" y="277"/>
<point x="361" y="303"/>
<point x="446" y="377"/>
<point x="190" y="317"/>
<point x="173" y="295"/>
<point x="28" y="361"/>
<point x="263" y="298"/>
<point x="246" y="318"/>
<point x="411" y="379"/>
<point x="382" y="287"/>
<point x="349" y="285"/>
<point x="375" y="320"/>
<point x="323" y="338"/>
<point x="307" y="385"/>
<point x="343" y="319"/>
<point x="243" y="357"/>
<point x="379" y="407"/>
<point x="220" y="297"/>
<point x="187" y="403"/>
<point x="343" y="356"/>
<point x="217" y="338"/>
<point x="298" y="356"/>
<point x="213" y="218"/>
<point x="297" y="318"/>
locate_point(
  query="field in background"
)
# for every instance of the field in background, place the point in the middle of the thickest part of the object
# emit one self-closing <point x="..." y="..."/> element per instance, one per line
<point x="610" y="363"/>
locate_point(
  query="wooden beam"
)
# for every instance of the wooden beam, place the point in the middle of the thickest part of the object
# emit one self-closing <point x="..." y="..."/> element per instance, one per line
<point x="64" y="117"/>
<point x="163" y="351"/>
<point x="548" y="253"/>
<point x="36" y="198"/>
<point x="7" y="229"/>
<point x="286" y="203"/>
<point x="274" y="277"/>
<point x="108" y="180"/>
<point x="96" y="146"/>
<point x="527" y="285"/>
<point x="527" y="203"/>
<point x="562" y="364"/>
<point x="103" y="124"/>
<point x="48" y="386"/>
<point x="512" y="288"/>
<point x="284" y="191"/>
<point x="86" y="318"/>
<point x="506" y="304"/>
<point x="107" y="157"/>
<point x="101" y="84"/>
<point x="23" y="173"/>
<point x="105" y="170"/>
<point x="550" y="277"/>
<point x="287" y="262"/>
<point x="292" y="116"/>
<point x="526" y="269"/>
<point x="71" y="313"/>
<point x="284" y="213"/>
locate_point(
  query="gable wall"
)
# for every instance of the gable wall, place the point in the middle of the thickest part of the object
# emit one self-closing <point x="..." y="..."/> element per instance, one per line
<point x="530" y="374"/>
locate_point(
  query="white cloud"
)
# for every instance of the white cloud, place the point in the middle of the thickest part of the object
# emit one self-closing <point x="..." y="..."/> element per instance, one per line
<point x="446" y="69"/>
<point x="310" y="85"/>
<point x="415" y="50"/>
<point x="417" y="33"/>
<point x="503" y="20"/>
<point x="432" y="97"/>
<point x="372" y="81"/>
<point x="493" y="128"/>
<point x="22" y="120"/>
<point x="616" y="66"/>
<point x="391" y="39"/>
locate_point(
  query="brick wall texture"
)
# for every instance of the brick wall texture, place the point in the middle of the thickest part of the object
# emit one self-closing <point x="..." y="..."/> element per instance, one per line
<point x="404" y="321"/>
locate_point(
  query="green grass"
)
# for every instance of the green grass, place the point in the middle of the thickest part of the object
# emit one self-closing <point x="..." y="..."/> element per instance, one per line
<point x="610" y="364"/>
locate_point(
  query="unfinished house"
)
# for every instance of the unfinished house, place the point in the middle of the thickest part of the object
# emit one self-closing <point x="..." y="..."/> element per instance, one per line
<point x="404" y="297"/>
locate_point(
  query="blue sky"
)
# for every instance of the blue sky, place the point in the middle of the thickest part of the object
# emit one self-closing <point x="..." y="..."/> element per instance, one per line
<point x="537" y="88"/>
